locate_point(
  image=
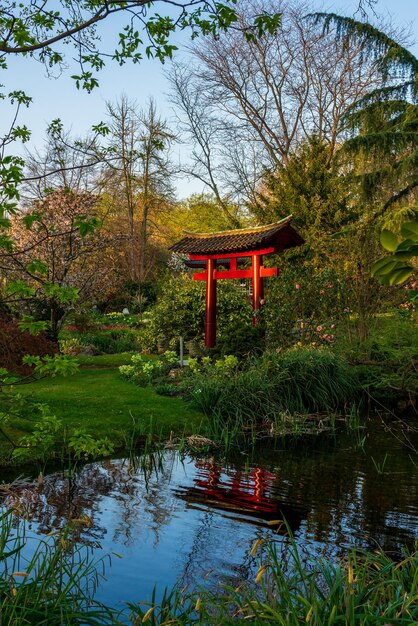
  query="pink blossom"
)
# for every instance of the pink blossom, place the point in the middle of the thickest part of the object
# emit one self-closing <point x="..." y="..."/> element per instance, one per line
<point x="297" y="286"/>
<point x="327" y="337"/>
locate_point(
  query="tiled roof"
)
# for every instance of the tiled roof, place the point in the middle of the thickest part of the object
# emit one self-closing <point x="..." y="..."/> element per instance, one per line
<point x="280" y="234"/>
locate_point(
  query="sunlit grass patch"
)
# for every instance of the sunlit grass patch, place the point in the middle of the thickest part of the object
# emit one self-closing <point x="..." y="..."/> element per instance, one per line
<point x="101" y="402"/>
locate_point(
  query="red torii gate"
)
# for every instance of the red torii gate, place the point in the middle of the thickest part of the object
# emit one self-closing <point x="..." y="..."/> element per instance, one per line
<point x="230" y="249"/>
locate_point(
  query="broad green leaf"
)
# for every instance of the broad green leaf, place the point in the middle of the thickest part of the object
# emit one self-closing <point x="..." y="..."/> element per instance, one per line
<point x="20" y="288"/>
<point x="87" y="226"/>
<point x="31" y="326"/>
<point x="405" y="245"/>
<point x="61" y="293"/>
<point x="391" y="267"/>
<point x="400" y="275"/>
<point x="37" y="266"/>
<point x="409" y="230"/>
<point x="388" y="240"/>
<point x="385" y="267"/>
<point x="404" y="255"/>
<point x="384" y="280"/>
<point x="380" y="264"/>
<point x="30" y="218"/>
<point x="6" y="243"/>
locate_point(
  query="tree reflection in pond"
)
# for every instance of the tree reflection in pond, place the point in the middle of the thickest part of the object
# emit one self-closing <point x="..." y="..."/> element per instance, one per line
<point x="187" y="515"/>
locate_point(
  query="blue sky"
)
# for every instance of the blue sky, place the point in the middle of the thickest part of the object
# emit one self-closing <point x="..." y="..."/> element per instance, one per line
<point x="78" y="110"/>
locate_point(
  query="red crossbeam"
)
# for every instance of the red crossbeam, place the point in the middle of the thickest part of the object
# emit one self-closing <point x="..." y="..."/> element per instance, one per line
<point x="269" y="271"/>
<point x="219" y="275"/>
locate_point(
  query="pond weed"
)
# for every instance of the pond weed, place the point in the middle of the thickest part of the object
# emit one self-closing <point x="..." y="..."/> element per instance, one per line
<point x="380" y="466"/>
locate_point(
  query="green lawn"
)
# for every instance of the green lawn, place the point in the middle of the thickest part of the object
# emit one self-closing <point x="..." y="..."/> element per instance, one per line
<point x="100" y="401"/>
<point x="109" y="360"/>
<point x="105" y="360"/>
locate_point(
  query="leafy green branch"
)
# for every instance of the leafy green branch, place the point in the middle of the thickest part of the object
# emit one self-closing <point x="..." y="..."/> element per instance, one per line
<point x="40" y="31"/>
<point x="400" y="265"/>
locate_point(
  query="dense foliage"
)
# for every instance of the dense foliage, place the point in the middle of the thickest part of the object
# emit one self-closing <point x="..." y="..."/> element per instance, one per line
<point x="321" y="124"/>
<point x="15" y="344"/>
<point x="179" y="311"/>
<point x="274" y="387"/>
<point x="344" y="164"/>
<point x="382" y="151"/>
<point x="310" y="187"/>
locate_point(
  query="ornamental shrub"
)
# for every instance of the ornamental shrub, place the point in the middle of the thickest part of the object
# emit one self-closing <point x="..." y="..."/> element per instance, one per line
<point x="143" y="371"/>
<point x="301" y="300"/>
<point x="109" y="341"/>
<point x="180" y="311"/>
<point x="240" y="339"/>
<point x="224" y="365"/>
<point x="15" y="344"/>
<point x="296" y="381"/>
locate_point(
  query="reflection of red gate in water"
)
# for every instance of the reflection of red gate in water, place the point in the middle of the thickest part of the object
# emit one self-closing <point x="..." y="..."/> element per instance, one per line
<point x="230" y="249"/>
<point x="248" y="496"/>
<point x="248" y="491"/>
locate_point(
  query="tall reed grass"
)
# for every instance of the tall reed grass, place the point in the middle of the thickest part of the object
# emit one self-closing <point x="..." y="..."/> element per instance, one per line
<point x="47" y="582"/>
<point x="367" y="589"/>
<point x="54" y="584"/>
<point x="295" y="382"/>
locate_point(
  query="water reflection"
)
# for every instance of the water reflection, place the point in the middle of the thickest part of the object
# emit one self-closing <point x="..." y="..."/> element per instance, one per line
<point x="185" y="516"/>
<point x="245" y="495"/>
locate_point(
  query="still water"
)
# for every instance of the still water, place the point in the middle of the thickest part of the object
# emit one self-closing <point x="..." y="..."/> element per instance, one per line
<point x="196" y="518"/>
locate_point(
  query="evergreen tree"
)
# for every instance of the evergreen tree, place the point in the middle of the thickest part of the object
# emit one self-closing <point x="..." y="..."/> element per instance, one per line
<point x="382" y="150"/>
<point x="310" y="187"/>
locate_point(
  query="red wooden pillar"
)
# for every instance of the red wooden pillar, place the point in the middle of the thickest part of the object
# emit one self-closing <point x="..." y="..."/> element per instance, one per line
<point x="258" y="291"/>
<point x="210" y="318"/>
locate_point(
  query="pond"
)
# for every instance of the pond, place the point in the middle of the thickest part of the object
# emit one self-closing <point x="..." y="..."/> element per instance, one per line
<point x="174" y="516"/>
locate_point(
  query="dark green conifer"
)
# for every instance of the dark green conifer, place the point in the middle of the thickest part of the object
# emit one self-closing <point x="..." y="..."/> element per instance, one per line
<point x="382" y="149"/>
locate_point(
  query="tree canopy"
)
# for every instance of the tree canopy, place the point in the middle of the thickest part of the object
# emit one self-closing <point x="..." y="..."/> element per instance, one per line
<point x="382" y="151"/>
<point x="42" y="31"/>
<point x="29" y="29"/>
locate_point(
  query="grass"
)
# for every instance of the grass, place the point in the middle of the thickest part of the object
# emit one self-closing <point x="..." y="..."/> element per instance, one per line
<point x="366" y="589"/>
<point x="52" y="583"/>
<point x="101" y="402"/>
<point x="380" y="467"/>
<point x="296" y="382"/>
<point x="105" y="360"/>
<point x="55" y="585"/>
